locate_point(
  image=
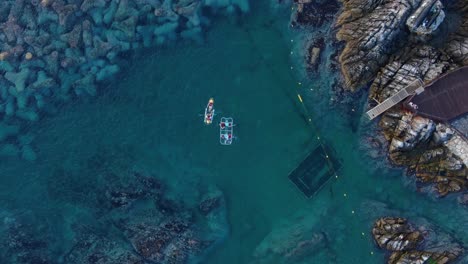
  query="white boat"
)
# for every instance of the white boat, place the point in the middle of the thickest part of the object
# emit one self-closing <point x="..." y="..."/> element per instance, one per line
<point x="209" y="112"/>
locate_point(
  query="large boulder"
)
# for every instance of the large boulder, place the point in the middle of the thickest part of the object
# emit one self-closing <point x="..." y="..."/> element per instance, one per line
<point x="395" y="234"/>
<point x="410" y="244"/>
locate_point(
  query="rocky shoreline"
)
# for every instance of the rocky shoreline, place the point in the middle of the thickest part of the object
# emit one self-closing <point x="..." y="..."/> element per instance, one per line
<point x="384" y="50"/>
<point x="53" y="51"/>
<point x="381" y="49"/>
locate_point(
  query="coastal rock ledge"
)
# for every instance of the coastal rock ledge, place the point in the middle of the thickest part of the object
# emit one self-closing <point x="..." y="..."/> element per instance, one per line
<point x="387" y="48"/>
<point x="408" y="244"/>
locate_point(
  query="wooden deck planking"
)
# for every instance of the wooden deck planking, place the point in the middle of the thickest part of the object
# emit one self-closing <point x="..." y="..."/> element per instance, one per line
<point x="394" y="99"/>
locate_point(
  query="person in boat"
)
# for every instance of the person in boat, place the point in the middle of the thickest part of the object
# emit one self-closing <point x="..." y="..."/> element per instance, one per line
<point x="229" y="136"/>
<point x="222" y="125"/>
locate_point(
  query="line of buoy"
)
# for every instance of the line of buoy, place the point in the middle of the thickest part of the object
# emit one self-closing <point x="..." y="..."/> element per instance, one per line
<point x="314" y="128"/>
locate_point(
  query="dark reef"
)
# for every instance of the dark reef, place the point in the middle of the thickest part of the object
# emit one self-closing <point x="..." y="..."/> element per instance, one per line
<point x="123" y="215"/>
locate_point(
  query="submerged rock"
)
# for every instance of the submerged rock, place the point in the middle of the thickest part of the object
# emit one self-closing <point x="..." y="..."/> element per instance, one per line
<point x="163" y="234"/>
<point x="211" y="201"/>
<point x="314" y="12"/>
<point x="22" y="242"/>
<point x="291" y="241"/>
<point x="117" y="218"/>
<point x="417" y="143"/>
<point x="315" y="51"/>
<point x="94" y="249"/>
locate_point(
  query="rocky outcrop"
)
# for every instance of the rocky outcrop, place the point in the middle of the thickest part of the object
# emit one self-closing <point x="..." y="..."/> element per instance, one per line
<point x="409" y="244"/>
<point x="22" y="244"/>
<point x="391" y="44"/>
<point x="422" y="146"/>
<point x="395" y="234"/>
<point x="95" y="249"/>
<point x="165" y="230"/>
<point x="314" y="13"/>
<point x="373" y="31"/>
<point x="316" y="16"/>
<point x="463" y="199"/>
<point x="315" y="53"/>
<point x="408" y="65"/>
<point x="420" y="257"/>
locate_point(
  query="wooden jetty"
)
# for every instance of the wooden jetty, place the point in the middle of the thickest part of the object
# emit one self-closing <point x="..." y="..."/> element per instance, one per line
<point x="414" y="87"/>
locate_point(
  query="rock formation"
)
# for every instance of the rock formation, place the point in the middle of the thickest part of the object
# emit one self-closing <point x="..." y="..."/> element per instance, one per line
<point x="390" y="44"/>
<point x="294" y="240"/>
<point x="407" y="244"/>
<point x="313" y="14"/>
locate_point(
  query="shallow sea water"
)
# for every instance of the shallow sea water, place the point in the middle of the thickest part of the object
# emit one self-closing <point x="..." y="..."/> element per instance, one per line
<point x="151" y="117"/>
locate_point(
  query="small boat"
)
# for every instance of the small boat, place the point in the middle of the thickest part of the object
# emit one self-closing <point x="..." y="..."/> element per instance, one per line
<point x="209" y="112"/>
<point x="226" y="134"/>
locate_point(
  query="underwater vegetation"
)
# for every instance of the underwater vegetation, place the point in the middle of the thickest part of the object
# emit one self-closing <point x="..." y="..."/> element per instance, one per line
<point x="117" y="213"/>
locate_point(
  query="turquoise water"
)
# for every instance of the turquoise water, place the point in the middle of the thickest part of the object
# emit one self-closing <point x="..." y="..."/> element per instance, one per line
<point x="151" y="118"/>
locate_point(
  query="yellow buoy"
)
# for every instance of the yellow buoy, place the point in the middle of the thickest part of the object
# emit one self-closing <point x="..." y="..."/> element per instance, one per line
<point x="300" y="98"/>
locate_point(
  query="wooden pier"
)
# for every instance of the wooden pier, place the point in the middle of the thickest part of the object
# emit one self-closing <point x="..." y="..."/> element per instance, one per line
<point x="414" y="87"/>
